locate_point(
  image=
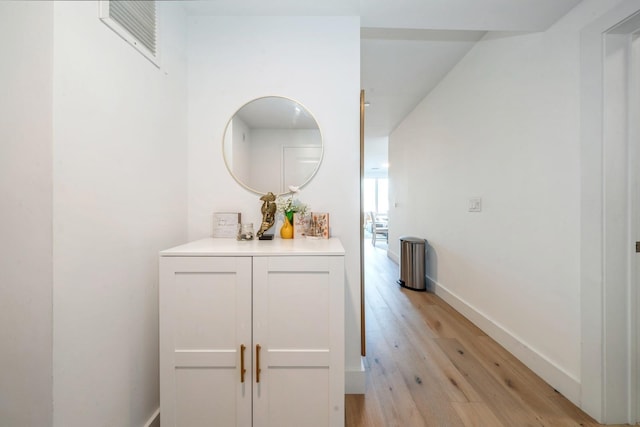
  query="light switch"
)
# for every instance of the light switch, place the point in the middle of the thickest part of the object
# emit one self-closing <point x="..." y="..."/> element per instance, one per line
<point x="475" y="204"/>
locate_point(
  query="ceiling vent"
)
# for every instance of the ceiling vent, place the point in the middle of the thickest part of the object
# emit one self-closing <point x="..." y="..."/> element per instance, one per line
<point x="135" y="22"/>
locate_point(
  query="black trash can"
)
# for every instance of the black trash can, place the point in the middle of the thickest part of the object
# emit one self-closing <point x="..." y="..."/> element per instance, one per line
<point x="412" y="260"/>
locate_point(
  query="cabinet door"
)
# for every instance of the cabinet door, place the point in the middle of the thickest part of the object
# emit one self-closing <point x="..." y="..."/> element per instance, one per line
<point x="298" y="308"/>
<point x="205" y="318"/>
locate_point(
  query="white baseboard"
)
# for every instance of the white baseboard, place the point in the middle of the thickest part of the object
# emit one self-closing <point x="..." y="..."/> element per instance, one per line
<point x="555" y="376"/>
<point x="354" y="380"/>
<point x="393" y="257"/>
<point x="154" y="420"/>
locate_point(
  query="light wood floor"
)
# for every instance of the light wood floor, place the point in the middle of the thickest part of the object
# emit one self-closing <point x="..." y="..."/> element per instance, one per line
<point x="429" y="366"/>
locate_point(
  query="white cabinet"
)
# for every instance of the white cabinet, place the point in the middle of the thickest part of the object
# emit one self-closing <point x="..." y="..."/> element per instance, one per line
<point x="274" y="308"/>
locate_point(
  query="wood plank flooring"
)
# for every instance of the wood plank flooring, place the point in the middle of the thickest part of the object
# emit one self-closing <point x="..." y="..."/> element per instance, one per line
<point x="429" y="366"/>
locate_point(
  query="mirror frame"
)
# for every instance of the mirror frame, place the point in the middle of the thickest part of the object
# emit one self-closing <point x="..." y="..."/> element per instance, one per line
<point x="245" y="185"/>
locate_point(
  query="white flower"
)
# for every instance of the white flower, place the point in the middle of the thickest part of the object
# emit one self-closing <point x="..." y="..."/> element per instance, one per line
<point x="287" y="205"/>
<point x="294" y="189"/>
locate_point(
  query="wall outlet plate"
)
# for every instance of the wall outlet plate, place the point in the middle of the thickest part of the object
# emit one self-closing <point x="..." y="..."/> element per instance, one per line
<point x="475" y="204"/>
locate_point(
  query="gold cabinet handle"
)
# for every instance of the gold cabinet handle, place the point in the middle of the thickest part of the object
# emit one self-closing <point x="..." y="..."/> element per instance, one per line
<point x="258" y="362"/>
<point x="242" y="369"/>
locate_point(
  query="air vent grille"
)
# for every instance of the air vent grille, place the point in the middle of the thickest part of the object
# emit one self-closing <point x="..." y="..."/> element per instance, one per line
<point x="135" y="21"/>
<point x="138" y="18"/>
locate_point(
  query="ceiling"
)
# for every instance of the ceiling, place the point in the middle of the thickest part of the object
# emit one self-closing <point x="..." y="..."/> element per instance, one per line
<point x="273" y="112"/>
<point x="407" y="46"/>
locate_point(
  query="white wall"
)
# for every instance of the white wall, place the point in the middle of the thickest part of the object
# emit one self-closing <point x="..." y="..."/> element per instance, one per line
<point x="25" y="206"/>
<point x="119" y="196"/>
<point x="233" y="60"/>
<point x="503" y="125"/>
<point x="376" y="155"/>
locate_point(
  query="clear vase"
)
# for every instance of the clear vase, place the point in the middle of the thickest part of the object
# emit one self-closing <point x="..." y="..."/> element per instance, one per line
<point x="245" y="231"/>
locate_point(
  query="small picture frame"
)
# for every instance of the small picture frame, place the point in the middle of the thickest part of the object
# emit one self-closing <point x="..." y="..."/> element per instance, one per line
<point x="301" y="224"/>
<point x="319" y="227"/>
<point x="225" y="224"/>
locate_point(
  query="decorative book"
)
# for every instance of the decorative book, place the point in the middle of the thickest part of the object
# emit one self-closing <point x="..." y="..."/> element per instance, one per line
<point x="225" y="224"/>
<point x="319" y="228"/>
<point x="301" y="224"/>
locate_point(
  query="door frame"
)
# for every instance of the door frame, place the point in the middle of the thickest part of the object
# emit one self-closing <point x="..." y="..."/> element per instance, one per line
<point x="635" y="167"/>
<point x="363" y="340"/>
<point x="608" y="295"/>
<point x="634" y="180"/>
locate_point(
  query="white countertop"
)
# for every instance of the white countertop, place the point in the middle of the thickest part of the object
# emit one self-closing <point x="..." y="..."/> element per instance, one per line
<point x="279" y="247"/>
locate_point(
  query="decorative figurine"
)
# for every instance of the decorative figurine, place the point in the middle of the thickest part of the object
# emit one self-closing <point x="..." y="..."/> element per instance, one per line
<point x="268" y="210"/>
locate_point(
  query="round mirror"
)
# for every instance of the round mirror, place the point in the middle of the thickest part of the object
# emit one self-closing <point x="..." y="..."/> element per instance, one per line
<point x="272" y="143"/>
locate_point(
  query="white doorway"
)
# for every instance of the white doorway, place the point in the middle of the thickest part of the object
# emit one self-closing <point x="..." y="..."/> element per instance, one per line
<point x="610" y="223"/>
<point x="621" y="130"/>
<point x="376" y="195"/>
<point x="634" y="145"/>
<point x="298" y="164"/>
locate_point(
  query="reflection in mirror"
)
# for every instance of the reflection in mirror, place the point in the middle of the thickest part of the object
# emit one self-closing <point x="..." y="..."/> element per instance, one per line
<point x="272" y="143"/>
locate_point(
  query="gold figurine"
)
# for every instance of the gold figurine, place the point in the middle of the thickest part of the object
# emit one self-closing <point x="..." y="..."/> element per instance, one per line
<point x="268" y="210"/>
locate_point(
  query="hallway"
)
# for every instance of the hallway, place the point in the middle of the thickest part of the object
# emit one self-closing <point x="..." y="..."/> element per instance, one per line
<point x="429" y="366"/>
